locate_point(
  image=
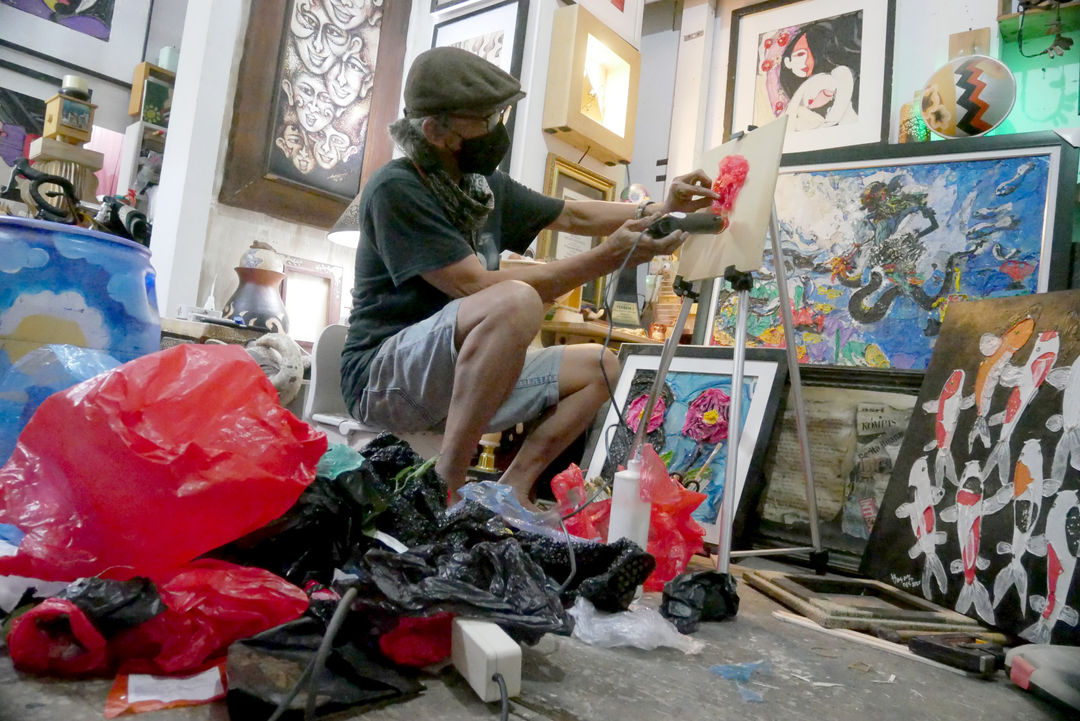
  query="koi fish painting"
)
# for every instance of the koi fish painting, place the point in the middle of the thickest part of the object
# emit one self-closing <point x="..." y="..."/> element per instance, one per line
<point x="1007" y="526"/>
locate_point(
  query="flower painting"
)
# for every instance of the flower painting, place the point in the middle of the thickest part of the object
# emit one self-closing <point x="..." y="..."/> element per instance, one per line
<point x="690" y="423"/>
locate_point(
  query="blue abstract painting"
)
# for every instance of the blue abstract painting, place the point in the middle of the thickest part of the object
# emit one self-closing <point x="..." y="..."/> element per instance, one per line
<point x="874" y="255"/>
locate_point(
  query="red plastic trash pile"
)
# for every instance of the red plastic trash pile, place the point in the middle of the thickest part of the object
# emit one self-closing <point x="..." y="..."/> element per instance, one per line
<point x="136" y="473"/>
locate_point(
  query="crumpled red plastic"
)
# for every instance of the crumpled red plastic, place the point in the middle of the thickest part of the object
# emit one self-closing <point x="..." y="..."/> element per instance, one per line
<point x="568" y="487"/>
<point x="674" y="536"/>
<point x="56" y="638"/>
<point x="419" y="641"/>
<point x="139" y="470"/>
<point x="208" y="605"/>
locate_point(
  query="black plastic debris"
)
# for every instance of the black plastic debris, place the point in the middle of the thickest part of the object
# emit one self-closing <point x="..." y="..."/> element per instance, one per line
<point x="496" y="581"/>
<point x="608" y="575"/>
<point x="332" y="522"/>
<point x="113" y="606"/>
<point x="699" y="596"/>
<point x="264" y="669"/>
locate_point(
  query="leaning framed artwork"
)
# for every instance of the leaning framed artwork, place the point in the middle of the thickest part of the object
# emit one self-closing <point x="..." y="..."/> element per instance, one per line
<point x="879" y="240"/>
<point x="567" y="180"/>
<point x="982" y="508"/>
<point x="318" y="85"/>
<point x="691" y="420"/>
<point x="805" y="58"/>
<point x="104" y="39"/>
<point x="497" y="34"/>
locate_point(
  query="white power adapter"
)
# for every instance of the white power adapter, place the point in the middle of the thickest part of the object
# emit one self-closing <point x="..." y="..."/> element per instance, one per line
<point x="479" y="650"/>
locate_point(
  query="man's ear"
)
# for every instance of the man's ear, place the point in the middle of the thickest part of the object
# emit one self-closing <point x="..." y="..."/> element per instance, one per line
<point x="438" y="134"/>
<point x="287" y="87"/>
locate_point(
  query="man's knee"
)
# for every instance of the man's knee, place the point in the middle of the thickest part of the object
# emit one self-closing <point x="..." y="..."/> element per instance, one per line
<point x="514" y="306"/>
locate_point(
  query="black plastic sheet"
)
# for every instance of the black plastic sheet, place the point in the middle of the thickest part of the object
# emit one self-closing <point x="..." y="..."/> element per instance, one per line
<point x="263" y="669"/>
<point x="699" y="596"/>
<point x="113" y="606"/>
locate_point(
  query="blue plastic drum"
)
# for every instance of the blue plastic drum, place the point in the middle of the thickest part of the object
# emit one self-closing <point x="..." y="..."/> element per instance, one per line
<point x="64" y="284"/>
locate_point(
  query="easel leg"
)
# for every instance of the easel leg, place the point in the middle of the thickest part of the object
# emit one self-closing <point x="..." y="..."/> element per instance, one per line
<point x="796" y="383"/>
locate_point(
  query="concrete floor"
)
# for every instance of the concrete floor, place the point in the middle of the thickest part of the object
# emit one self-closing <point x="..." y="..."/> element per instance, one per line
<point x="814" y="676"/>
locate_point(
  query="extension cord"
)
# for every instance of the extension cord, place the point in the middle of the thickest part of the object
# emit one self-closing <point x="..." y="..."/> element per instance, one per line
<point x="479" y="650"/>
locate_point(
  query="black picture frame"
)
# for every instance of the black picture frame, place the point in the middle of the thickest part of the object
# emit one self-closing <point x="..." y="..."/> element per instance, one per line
<point x="490" y="14"/>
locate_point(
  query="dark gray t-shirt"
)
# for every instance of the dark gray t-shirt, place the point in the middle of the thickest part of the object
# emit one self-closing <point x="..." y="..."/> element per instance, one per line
<point x="404" y="233"/>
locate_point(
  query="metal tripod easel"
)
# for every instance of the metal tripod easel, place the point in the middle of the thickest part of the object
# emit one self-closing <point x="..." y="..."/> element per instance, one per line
<point x="742" y="283"/>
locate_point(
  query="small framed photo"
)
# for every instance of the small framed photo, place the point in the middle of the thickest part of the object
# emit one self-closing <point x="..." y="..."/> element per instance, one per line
<point x="156" y="102"/>
<point x="691" y="419"/>
<point x="827" y="64"/>
<point x="567" y="180"/>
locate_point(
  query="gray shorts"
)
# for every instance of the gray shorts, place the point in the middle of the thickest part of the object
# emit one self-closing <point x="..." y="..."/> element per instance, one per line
<point x="411" y="380"/>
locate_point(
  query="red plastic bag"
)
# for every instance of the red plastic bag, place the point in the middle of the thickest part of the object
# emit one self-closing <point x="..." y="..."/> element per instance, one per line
<point x="419" y="641"/>
<point x="208" y="605"/>
<point x="141" y="469"/>
<point x="56" y="638"/>
<point x="674" y="537"/>
<point x="568" y="488"/>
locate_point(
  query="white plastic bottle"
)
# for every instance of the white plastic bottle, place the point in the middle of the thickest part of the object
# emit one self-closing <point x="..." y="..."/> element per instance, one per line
<point x="629" y="514"/>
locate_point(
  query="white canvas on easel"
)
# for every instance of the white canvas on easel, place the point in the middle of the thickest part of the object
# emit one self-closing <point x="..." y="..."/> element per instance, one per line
<point x="743" y="242"/>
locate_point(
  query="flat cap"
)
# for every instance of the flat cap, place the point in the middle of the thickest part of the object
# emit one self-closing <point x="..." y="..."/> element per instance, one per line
<point x="448" y="79"/>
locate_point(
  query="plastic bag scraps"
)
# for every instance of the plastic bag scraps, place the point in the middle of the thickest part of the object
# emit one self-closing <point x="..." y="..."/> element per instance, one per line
<point x="501" y="500"/>
<point x="674" y="537"/>
<point x="113" y="606"/>
<point x="56" y="638"/>
<point x="36" y="376"/>
<point x="569" y="490"/>
<point x="419" y="642"/>
<point x="608" y="575"/>
<point x="338" y="459"/>
<point x="740" y="673"/>
<point x="333" y="522"/>
<point x="700" y="596"/>
<point x="640" y="627"/>
<point x="491" y="580"/>
<point x="263" y="669"/>
<point x="209" y="605"/>
<point x="139" y="470"/>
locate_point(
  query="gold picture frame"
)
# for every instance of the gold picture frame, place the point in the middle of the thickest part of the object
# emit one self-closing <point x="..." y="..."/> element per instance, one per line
<point x="567" y="180"/>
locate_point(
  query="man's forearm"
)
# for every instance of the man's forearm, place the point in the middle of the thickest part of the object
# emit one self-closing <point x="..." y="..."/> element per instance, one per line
<point x="597" y="217"/>
<point x="556" y="277"/>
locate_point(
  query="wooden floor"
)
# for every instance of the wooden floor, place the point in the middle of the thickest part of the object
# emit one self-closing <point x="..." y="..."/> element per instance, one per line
<point x="814" y="676"/>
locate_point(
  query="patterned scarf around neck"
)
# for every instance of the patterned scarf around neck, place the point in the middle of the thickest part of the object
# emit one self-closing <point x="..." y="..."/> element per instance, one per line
<point x="468" y="204"/>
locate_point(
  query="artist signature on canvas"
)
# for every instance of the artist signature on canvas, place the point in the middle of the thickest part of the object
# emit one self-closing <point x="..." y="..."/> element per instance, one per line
<point x="907" y="581"/>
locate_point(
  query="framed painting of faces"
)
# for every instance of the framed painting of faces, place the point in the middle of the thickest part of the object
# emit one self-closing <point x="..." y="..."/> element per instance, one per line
<point x="495" y="33"/>
<point x="805" y="59"/>
<point x="315" y="78"/>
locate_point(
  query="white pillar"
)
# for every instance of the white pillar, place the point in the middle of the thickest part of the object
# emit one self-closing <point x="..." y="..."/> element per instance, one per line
<point x="691" y="88"/>
<point x="202" y="97"/>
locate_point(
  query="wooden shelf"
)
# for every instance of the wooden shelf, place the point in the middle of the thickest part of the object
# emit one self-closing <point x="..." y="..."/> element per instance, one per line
<point x="1037" y="22"/>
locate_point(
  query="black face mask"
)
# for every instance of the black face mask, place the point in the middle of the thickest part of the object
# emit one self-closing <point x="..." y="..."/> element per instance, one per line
<point x="483" y="154"/>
